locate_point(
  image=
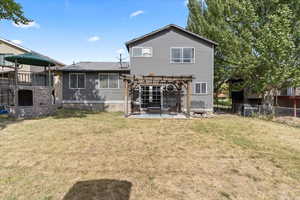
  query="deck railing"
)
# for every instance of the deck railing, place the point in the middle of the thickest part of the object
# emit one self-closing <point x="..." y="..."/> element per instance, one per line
<point x="26" y="78"/>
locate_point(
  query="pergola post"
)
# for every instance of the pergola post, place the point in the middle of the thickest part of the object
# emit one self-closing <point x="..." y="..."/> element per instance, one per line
<point x="179" y="89"/>
<point x="16" y="85"/>
<point x="45" y="73"/>
<point x="188" y="99"/>
<point x="16" y="74"/>
<point x="49" y="76"/>
<point x="126" y="98"/>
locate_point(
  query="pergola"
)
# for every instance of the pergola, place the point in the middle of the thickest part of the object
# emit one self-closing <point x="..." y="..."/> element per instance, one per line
<point x="132" y="81"/>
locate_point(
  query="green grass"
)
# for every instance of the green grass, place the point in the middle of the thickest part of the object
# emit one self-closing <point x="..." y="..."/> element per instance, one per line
<point x="245" y="134"/>
<point x="226" y="157"/>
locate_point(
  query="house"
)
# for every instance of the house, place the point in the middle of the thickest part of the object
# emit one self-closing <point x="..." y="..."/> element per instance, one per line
<point x="8" y="48"/>
<point x="24" y="88"/>
<point x="289" y="97"/>
<point x="170" y="70"/>
<point x="286" y="100"/>
<point x="93" y="85"/>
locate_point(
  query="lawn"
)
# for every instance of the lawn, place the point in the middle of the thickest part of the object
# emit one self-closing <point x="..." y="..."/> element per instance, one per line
<point x="76" y="155"/>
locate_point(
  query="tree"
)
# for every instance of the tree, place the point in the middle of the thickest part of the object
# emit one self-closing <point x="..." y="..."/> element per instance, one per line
<point x="274" y="53"/>
<point x="211" y="19"/>
<point x="10" y="10"/>
<point x="259" y="41"/>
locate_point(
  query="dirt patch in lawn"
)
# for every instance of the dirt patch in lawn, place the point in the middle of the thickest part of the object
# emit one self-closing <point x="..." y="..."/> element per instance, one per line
<point x="220" y="158"/>
<point x="291" y="121"/>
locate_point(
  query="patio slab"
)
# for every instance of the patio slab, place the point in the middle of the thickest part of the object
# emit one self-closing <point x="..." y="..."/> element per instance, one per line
<point x="157" y="116"/>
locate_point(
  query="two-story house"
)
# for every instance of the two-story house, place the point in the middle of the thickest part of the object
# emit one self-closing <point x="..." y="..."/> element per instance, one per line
<point x="170" y="69"/>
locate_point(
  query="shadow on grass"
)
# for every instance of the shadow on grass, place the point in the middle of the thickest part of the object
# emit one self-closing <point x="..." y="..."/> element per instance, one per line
<point x="104" y="189"/>
<point x="72" y="113"/>
<point x="5" y="120"/>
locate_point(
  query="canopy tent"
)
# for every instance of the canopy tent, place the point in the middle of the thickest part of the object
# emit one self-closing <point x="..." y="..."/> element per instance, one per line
<point x="30" y="59"/>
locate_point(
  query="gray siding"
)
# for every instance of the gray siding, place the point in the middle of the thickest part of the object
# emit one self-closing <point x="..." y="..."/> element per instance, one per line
<point x="92" y="92"/>
<point x="159" y="63"/>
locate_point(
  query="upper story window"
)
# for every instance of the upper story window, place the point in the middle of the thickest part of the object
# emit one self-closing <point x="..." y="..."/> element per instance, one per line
<point x="142" y="52"/>
<point x="182" y="55"/>
<point x="109" y="80"/>
<point x="77" y="80"/>
<point x="4" y="62"/>
<point x="201" y="88"/>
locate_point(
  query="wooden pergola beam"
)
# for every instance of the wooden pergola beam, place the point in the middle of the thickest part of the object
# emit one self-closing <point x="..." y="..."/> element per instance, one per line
<point x="162" y="79"/>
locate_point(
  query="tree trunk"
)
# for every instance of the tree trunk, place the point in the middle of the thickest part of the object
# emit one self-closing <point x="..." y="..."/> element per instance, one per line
<point x="216" y="98"/>
<point x="295" y="103"/>
<point x="268" y="102"/>
<point x="216" y="94"/>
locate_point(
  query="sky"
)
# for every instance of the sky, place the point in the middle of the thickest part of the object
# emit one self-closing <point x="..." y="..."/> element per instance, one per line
<point x="90" y="30"/>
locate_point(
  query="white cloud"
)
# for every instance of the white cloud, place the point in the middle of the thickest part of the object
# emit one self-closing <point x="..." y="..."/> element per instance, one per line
<point x="94" y="39"/>
<point x="136" y="13"/>
<point x="26" y="26"/>
<point x="17" y="41"/>
<point x="186" y="2"/>
<point x="121" y="51"/>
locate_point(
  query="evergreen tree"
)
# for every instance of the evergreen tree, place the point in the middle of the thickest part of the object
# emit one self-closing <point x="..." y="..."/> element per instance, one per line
<point x="211" y="19"/>
<point x="259" y="41"/>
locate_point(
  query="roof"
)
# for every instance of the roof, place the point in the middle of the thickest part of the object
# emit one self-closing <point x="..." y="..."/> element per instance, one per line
<point x="29" y="51"/>
<point x="96" y="66"/>
<point x="166" y="28"/>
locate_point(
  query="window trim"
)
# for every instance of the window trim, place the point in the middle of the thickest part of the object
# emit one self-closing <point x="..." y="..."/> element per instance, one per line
<point x="139" y="47"/>
<point x="77" y="80"/>
<point x="108" y="88"/>
<point x="181" y="62"/>
<point x="206" y="88"/>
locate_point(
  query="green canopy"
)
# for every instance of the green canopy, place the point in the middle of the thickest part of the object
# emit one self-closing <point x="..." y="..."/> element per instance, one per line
<point x="30" y="59"/>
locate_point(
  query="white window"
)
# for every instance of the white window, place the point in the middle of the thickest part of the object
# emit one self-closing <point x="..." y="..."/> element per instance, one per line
<point x="141" y="52"/>
<point x="201" y="88"/>
<point x="77" y="80"/>
<point x="182" y="55"/>
<point x="109" y="80"/>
